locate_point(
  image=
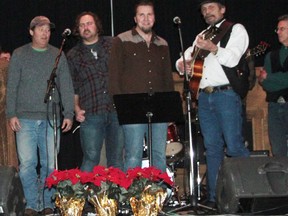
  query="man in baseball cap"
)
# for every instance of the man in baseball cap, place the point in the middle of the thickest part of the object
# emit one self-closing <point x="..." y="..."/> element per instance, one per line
<point x="29" y="69"/>
<point x="39" y="21"/>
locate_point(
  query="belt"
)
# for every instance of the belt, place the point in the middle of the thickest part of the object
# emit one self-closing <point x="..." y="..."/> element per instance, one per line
<point x="214" y="89"/>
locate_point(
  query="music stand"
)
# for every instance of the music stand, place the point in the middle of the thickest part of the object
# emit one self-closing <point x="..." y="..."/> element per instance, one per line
<point x="145" y="108"/>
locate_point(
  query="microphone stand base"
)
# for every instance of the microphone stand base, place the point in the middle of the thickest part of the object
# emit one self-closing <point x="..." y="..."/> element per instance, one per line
<point x="189" y="209"/>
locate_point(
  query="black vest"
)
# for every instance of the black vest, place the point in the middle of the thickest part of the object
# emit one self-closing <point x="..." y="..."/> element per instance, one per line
<point x="276" y="67"/>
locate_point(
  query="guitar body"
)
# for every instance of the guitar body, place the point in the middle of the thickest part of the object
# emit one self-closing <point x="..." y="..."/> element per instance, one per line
<point x="197" y="67"/>
<point x="196" y="72"/>
<point x="197" y="61"/>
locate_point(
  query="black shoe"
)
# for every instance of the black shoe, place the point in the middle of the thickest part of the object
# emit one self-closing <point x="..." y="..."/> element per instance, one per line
<point x="209" y="204"/>
<point x="47" y="211"/>
<point x="30" y="212"/>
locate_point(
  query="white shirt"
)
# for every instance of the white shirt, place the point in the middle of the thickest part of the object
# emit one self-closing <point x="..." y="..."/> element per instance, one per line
<point x="213" y="73"/>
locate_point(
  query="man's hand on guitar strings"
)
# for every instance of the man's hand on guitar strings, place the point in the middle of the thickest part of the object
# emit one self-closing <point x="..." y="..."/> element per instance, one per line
<point x="205" y="44"/>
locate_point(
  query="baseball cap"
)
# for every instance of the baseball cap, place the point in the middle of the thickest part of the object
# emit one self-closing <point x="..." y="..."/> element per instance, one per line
<point x="41" y="20"/>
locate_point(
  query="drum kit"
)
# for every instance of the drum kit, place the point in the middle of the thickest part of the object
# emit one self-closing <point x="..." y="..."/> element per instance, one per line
<point x="174" y="148"/>
<point x="175" y="151"/>
<point x="175" y="154"/>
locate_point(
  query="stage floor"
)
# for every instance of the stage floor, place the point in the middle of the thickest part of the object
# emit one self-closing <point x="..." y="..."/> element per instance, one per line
<point x="252" y="206"/>
<point x="265" y="206"/>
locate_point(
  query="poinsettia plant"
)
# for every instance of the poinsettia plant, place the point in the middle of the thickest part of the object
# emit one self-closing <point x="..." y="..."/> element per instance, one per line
<point x="67" y="183"/>
<point x="106" y="181"/>
<point x="147" y="178"/>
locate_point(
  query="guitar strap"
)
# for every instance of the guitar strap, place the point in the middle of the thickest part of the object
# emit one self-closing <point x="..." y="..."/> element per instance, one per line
<point x="223" y="29"/>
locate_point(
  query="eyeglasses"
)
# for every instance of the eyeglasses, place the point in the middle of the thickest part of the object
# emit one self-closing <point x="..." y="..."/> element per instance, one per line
<point x="280" y="29"/>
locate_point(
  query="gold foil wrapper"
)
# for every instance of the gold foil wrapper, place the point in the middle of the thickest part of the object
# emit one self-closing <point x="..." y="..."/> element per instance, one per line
<point x="148" y="204"/>
<point x="103" y="205"/>
<point x="70" y="206"/>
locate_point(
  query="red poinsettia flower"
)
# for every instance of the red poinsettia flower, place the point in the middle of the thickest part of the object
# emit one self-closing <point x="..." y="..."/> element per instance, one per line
<point x="111" y="181"/>
<point x="73" y="175"/>
<point x="143" y="177"/>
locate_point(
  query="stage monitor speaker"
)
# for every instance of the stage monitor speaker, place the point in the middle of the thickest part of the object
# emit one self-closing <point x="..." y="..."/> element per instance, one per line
<point x="11" y="192"/>
<point x="253" y="177"/>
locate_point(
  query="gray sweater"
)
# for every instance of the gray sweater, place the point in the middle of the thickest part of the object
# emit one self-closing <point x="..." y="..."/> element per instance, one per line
<point x="28" y="73"/>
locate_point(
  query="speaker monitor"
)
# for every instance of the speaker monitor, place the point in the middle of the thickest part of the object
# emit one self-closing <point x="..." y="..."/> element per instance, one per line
<point x="253" y="177"/>
<point x="11" y="192"/>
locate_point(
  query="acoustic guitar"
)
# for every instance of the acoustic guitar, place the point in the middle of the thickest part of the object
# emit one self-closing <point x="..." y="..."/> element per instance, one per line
<point x="258" y="50"/>
<point x="197" y="64"/>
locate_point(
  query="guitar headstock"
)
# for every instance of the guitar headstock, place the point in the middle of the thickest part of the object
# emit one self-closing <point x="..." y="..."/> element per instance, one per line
<point x="260" y="49"/>
<point x="210" y="33"/>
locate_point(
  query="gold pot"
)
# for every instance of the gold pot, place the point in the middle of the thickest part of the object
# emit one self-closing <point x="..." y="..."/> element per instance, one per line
<point x="149" y="204"/>
<point x="70" y="206"/>
<point x="103" y="205"/>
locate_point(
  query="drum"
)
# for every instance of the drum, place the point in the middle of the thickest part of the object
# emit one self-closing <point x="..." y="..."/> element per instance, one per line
<point x="174" y="147"/>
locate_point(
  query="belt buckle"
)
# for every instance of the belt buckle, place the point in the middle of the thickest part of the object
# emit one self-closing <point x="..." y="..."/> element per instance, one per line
<point x="209" y="89"/>
<point x="281" y="100"/>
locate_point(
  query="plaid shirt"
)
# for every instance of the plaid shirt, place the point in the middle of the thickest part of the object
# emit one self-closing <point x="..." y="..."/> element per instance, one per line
<point x="90" y="75"/>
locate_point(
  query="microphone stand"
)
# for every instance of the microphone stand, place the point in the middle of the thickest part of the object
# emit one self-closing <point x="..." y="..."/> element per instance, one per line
<point x="50" y="96"/>
<point x="192" y="195"/>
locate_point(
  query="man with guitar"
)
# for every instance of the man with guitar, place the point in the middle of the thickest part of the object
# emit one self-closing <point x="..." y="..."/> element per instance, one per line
<point x="219" y="106"/>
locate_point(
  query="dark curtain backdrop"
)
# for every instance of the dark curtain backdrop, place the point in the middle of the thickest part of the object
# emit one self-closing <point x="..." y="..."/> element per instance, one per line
<point x="258" y="16"/>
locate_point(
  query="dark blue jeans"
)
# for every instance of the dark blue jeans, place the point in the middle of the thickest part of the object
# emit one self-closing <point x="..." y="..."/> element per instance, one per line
<point x="220" y="116"/>
<point x="278" y="128"/>
<point x="93" y="131"/>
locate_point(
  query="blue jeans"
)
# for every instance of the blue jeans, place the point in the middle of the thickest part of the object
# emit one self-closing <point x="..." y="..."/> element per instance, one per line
<point x="93" y="131"/>
<point x="134" y="135"/>
<point x="220" y="116"/>
<point x="32" y="135"/>
<point x="278" y="128"/>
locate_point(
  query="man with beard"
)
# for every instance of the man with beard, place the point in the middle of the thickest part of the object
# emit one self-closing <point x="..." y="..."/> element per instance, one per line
<point x="219" y="106"/>
<point x="140" y="63"/>
<point x="88" y="62"/>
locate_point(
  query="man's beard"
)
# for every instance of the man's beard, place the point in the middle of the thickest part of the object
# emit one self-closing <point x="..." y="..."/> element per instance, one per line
<point x="146" y="30"/>
<point x="208" y="20"/>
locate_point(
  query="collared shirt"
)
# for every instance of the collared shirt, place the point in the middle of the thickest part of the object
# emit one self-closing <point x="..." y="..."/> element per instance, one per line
<point x="90" y="75"/>
<point x="135" y="67"/>
<point x="213" y="73"/>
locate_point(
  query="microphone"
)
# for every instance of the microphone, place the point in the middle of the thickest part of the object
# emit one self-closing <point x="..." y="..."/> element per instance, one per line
<point x="66" y="32"/>
<point x="177" y="20"/>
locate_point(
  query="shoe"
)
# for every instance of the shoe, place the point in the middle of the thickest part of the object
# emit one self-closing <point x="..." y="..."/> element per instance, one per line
<point x="30" y="212"/>
<point x="47" y="211"/>
<point x="209" y="204"/>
